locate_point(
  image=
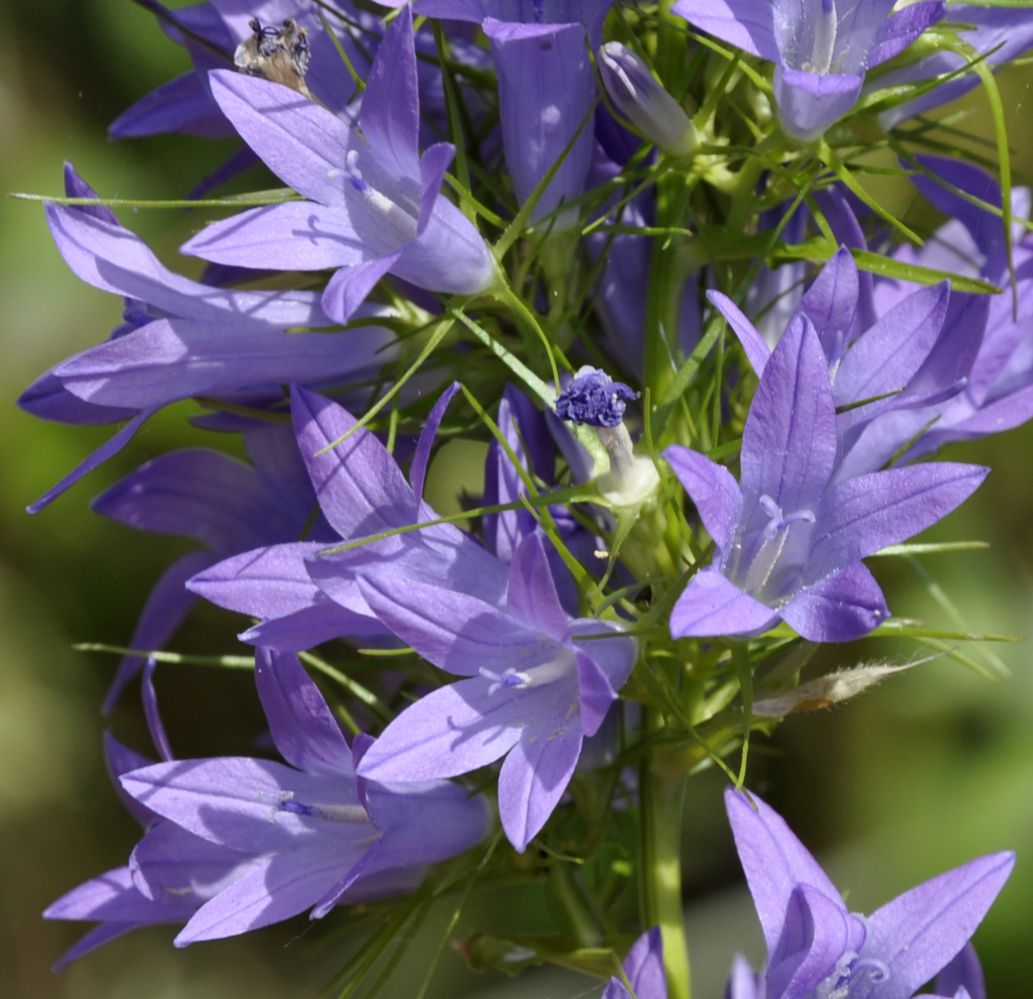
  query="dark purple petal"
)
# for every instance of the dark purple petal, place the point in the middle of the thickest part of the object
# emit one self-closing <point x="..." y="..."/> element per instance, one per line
<point x="118" y="760"/>
<point x="311" y="626"/>
<point x="303" y="727"/>
<point x="150" y="710"/>
<point x="963" y="973"/>
<point x="350" y="286"/>
<point x="903" y="27"/>
<point x="428" y="435"/>
<point x="183" y="104"/>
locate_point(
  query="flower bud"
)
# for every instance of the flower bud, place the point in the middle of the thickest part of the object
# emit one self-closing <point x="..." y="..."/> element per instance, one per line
<point x="644" y="102"/>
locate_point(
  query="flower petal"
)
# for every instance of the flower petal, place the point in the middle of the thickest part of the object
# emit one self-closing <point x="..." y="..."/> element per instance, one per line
<point x="712" y="489"/>
<point x="839" y="609"/>
<point x="746" y="24"/>
<point x="712" y="605"/>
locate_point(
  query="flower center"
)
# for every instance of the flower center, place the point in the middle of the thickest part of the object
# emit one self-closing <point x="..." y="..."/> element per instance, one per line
<point x="854" y="978"/>
<point x="511" y="678"/>
<point x="354" y="814"/>
<point x="824" y="46"/>
<point x="402" y="221"/>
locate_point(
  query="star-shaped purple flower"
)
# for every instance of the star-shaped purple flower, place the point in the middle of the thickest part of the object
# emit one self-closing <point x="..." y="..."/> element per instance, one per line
<point x="789" y="539"/>
<point x="374" y="203"/>
<point x="821" y="48"/>
<point x="818" y="949"/>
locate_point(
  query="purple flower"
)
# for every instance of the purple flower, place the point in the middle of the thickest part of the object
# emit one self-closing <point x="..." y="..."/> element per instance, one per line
<point x="789" y="539"/>
<point x="534" y="688"/>
<point x="181" y="338"/>
<point x="644" y="968"/>
<point x="821" y="48"/>
<point x="818" y="949"/>
<point x="593" y="398"/>
<point x="316" y="834"/>
<point x="374" y="204"/>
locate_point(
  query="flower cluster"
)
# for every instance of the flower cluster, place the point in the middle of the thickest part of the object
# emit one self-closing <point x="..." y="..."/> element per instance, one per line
<point x="628" y="249"/>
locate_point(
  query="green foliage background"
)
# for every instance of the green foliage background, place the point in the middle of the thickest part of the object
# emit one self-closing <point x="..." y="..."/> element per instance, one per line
<point x="926" y="772"/>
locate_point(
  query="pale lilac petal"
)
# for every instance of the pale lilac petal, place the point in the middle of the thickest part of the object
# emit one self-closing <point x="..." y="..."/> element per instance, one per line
<point x="390" y="115"/>
<point x="757" y="350"/>
<point x="172" y="359"/>
<point x="265" y="582"/>
<point x="746" y="24"/>
<point x="434" y="165"/>
<point x="293" y="236"/>
<point x="863" y="515"/>
<point x="350" y="286"/>
<point x="816" y="933"/>
<point x="595" y="692"/>
<point x="455" y="631"/>
<point x="789" y="441"/>
<point x="644" y="966"/>
<point x="712" y="605"/>
<point x="301" y="142"/>
<point x="890" y="352"/>
<point x="532" y="596"/>
<point x="249" y="804"/>
<point x="774" y="861"/>
<point x="107" y="450"/>
<point x="450" y="731"/>
<point x="743" y="983"/>
<point x="533" y="778"/>
<point x="831" y="302"/>
<point x="840" y="609"/>
<point x="276" y="888"/>
<point x="167" y="605"/>
<point x="920" y="931"/>
<point x="712" y="489"/>
<point x="808" y="104"/>
<point x="614" y="656"/>
<point x="303" y="728"/>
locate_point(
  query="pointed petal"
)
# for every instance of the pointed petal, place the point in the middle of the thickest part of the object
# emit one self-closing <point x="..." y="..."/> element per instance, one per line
<point x="712" y="605"/>
<point x="919" y="932"/>
<point x="151" y="713"/>
<point x="359" y="486"/>
<point x="311" y="626"/>
<point x="886" y="356"/>
<point x="712" y="489"/>
<point x="831" y="302"/>
<point x="428" y="435"/>
<point x="163" y="612"/>
<point x="294" y="236"/>
<point x="171" y="359"/>
<point x="118" y="760"/>
<point x="276" y="888"/>
<point x="817" y="932"/>
<point x="455" y="631"/>
<point x="532" y="596"/>
<point x="743" y="982"/>
<point x="301" y="142"/>
<point x="774" y="861"/>
<point x="450" y="731"/>
<point x="963" y="977"/>
<point x="595" y="692"/>
<point x="789" y="441"/>
<point x="840" y="609"/>
<point x="390" y="115"/>
<point x="902" y="28"/>
<point x="349" y="286"/>
<point x="546" y="91"/>
<point x="757" y="350"/>
<point x="615" y="656"/>
<point x="303" y="728"/>
<point x="433" y="166"/>
<point x="533" y="778"/>
<point x="644" y="966"/>
<point x="250" y="805"/>
<point x="107" y="450"/>
<point x="183" y="104"/>
<point x="860" y="516"/>
<point x="746" y="24"/>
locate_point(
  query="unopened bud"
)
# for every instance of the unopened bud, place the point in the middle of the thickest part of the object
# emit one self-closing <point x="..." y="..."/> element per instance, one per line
<point x="643" y="101"/>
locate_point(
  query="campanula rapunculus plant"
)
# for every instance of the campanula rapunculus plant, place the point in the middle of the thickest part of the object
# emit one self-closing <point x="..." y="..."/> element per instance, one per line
<point x="544" y="397"/>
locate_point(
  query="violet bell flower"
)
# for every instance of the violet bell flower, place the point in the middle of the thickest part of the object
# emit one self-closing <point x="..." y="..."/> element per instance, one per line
<point x="314" y="829"/>
<point x="821" y="48"/>
<point x="533" y="688"/>
<point x="818" y="949"/>
<point x="374" y="204"/>
<point x="789" y="539"/>
<point x="594" y="399"/>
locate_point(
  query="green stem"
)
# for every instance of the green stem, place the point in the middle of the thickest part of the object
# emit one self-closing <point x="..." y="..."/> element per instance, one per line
<point x="660" y="801"/>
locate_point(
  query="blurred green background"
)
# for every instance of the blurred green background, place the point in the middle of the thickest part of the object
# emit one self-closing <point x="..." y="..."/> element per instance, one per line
<point x="928" y="771"/>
